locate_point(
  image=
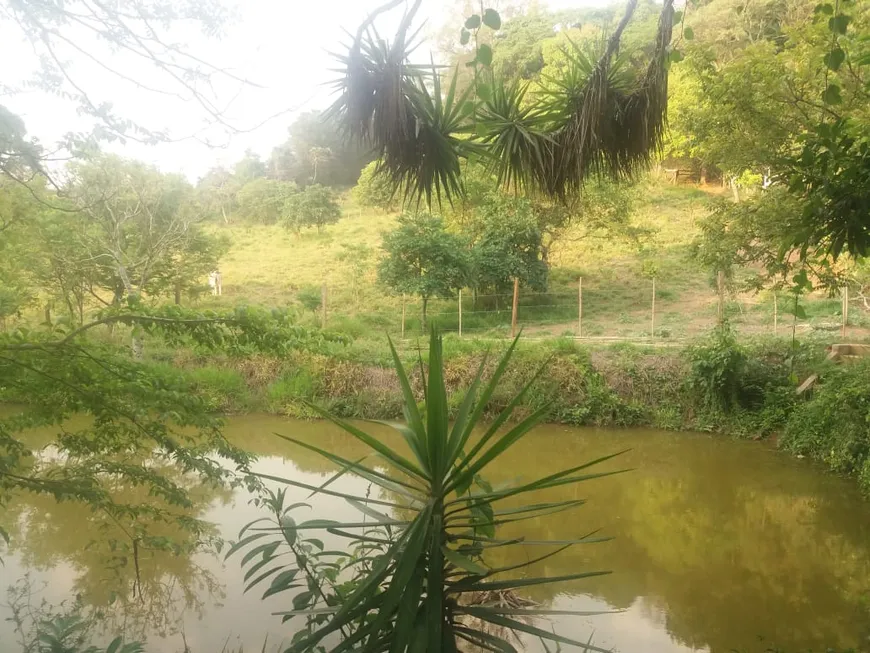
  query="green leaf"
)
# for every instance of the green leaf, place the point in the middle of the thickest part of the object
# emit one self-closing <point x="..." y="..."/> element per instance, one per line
<point x="484" y="92"/>
<point x="288" y="529"/>
<point x="244" y="542"/>
<point x="458" y="560"/>
<point x="512" y="624"/>
<point x="825" y="8"/>
<point x="835" y="58"/>
<point x="492" y="19"/>
<point x="281" y="583"/>
<point x="839" y="23"/>
<point x="114" y="646"/>
<point x="464" y="36"/>
<point x="472" y="22"/>
<point x="675" y="56"/>
<point x="831" y="95"/>
<point x="484" y="55"/>
<point x="800" y="313"/>
<point x="491" y="586"/>
<point x="688" y="33"/>
<point x="302" y="600"/>
<point x="678" y="16"/>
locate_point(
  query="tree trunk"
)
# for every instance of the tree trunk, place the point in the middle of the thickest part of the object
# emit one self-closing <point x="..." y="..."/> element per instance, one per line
<point x="47" y="312"/>
<point x="735" y="191"/>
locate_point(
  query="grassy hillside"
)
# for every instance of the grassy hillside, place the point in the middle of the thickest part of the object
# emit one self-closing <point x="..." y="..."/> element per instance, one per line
<point x="269" y="265"/>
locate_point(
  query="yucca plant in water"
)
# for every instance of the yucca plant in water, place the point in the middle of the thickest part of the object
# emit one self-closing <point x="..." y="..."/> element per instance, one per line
<point x="416" y="565"/>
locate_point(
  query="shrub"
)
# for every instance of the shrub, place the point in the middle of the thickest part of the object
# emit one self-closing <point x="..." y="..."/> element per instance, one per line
<point x="834" y="425"/>
<point x="716" y="375"/>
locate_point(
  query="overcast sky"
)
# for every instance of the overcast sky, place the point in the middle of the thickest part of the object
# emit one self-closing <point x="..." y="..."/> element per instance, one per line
<point x="281" y="46"/>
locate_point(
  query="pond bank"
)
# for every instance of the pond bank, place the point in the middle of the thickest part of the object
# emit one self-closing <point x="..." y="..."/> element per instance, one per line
<point x="743" y="390"/>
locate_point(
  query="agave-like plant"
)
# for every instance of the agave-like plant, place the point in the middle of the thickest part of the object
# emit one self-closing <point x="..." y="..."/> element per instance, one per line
<point x="431" y="551"/>
<point x="590" y="124"/>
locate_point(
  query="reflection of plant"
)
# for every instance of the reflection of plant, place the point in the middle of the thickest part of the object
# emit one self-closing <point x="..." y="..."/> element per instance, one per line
<point x="64" y="628"/>
<point x="439" y="522"/>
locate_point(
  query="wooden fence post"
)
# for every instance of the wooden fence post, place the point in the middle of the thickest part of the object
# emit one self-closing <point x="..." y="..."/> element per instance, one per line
<point x="652" y="323"/>
<point x="403" y="316"/>
<point x="580" y="308"/>
<point x="775" y="313"/>
<point x="323" y="298"/>
<point x="460" y="312"/>
<point x="514" y="311"/>
<point x="845" y="309"/>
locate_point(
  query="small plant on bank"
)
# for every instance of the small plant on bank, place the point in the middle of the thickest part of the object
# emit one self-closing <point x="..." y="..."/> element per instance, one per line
<point x="416" y="558"/>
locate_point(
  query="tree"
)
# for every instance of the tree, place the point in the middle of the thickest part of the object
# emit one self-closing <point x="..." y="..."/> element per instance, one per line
<point x="133" y="222"/>
<point x="593" y="118"/>
<point x="422" y="258"/>
<point x="315" y="206"/>
<point x="507" y="245"/>
<point x="316" y="153"/>
<point x="265" y="201"/>
<point x="373" y="189"/>
<point x="217" y="193"/>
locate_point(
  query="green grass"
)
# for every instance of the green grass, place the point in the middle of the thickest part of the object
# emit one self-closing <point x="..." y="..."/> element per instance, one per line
<point x="267" y="265"/>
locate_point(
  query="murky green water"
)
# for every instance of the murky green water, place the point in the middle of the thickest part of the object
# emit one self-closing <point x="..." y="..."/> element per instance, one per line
<point x="718" y="545"/>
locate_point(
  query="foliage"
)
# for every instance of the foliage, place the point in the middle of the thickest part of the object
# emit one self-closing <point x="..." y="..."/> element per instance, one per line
<point x="832" y="426"/>
<point x="411" y="587"/>
<point x="144" y="423"/>
<point x="373" y="189"/>
<point x="507" y="244"/>
<point x="316" y="153"/>
<point x="422" y="258"/>
<point x="831" y="175"/>
<point x="64" y="628"/>
<point x="315" y="206"/>
<point x="265" y="201"/>
<point x="588" y="122"/>
<point x="717" y="372"/>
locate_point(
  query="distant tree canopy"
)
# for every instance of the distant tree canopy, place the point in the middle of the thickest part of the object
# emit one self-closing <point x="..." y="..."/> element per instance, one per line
<point x="315" y="206"/>
<point x="373" y="189"/>
<point x="315" y="152"/>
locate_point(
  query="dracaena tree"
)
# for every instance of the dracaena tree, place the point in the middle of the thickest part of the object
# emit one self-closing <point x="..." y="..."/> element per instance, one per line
<point x="591" y="119"/>
<point x="418" y="554"/>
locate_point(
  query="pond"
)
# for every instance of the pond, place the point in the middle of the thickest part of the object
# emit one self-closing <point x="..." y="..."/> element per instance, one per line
<point x="718" y="545"/>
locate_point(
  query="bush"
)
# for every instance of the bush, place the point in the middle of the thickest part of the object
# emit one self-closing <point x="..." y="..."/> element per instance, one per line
<point x="834" y="425"/>
<point x="716" y="375"/>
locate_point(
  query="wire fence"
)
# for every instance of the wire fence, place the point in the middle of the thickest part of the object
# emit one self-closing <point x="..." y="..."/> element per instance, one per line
<point x="642" y="312"/>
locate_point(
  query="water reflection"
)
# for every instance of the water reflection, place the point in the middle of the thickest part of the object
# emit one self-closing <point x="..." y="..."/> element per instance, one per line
<point x="719" y="546"/>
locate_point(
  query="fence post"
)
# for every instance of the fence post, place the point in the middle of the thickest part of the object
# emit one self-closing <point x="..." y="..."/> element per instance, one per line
<point x="323" y="306"/>
<point x="775" y="313"/>
<point x="580" y="308"/>
<point x="514" y="311"/>
<point x="845" y="309"/>
<point x="720" y="286"/>
<point x="652" y="323"/>
<point x="403" y="316"/>
<point x="460" y="312"/>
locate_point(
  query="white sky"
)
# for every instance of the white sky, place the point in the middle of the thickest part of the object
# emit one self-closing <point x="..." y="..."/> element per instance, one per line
<point x="280" y="45"/>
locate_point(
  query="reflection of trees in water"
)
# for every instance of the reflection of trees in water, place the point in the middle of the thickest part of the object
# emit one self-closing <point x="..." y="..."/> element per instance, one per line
<point x="729" y="546"/>
<point x="728" y="541"/>
<point x="141" y="574"/>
